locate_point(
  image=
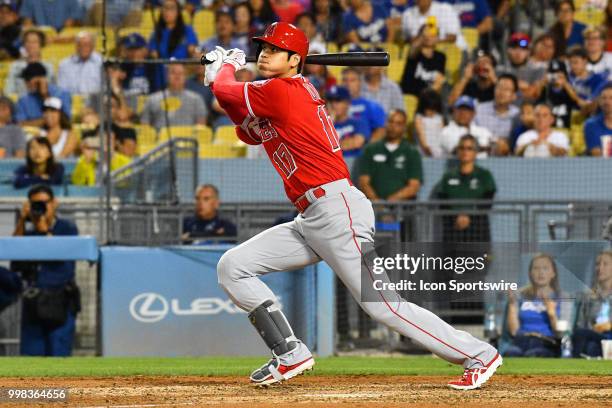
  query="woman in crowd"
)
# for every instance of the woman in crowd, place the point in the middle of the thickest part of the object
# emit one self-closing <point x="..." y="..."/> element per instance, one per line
<point x="33" y="43"/>
<point x="58" y="129"/>
<point x="429" y="122"/>
<point x="327" y="15"/>
<point x="262" y="15"/>
<point x="533" y="312"/>
<point x="542" y="141"/>
<point x="594" y="314"/>
<point x="172" y="38"/>
<point x="425" y="67"/>
<point x="40" y="167"/>
<point x="242" y="22"/>
<point x="566" y="31"/>
<point x="543" y="53"/>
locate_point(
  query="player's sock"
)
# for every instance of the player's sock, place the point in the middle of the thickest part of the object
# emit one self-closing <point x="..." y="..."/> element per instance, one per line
<point x="273" y="327"/>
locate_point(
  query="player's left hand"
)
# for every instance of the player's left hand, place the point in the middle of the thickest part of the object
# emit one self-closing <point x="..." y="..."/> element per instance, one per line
<point x="236" y="57"/>
<point x="216" y="56"/>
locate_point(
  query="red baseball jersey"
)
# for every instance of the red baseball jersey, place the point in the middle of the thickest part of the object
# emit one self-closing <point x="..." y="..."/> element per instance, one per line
<point x="289" y="117"/>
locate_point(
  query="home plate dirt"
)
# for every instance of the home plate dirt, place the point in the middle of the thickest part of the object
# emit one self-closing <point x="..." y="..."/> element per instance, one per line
<point x="314" y="391"/>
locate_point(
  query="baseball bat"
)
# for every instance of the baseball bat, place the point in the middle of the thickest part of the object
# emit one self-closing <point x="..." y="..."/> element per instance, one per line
<point x="345" y="59"/>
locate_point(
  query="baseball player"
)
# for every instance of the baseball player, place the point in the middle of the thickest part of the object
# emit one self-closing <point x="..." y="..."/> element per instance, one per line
<point x="286" y="114"/>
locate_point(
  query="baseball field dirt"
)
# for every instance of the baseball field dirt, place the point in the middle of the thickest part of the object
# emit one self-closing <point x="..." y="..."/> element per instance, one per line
<point x="335" y="382"/>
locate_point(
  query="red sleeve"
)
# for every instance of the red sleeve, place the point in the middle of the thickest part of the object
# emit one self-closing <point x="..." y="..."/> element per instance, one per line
<point x="247" y="136"/>
<point x="230" y="94"/>
<point x="267" y="99"/>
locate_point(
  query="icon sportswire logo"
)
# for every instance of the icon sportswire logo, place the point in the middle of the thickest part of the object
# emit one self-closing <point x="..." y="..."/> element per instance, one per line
<point x="151" y="307"/>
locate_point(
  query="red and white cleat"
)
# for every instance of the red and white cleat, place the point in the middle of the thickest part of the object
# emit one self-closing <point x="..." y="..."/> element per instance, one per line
<point x="282" y="368"/>
<point x="475" y="377"/>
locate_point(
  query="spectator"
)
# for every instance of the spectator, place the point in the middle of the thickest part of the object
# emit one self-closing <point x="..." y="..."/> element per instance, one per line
<point x="241" y="14"/>
<point x="137" y="79"/>
<point x="51" y="299"/>
<point x="498" y="115"/>
<point x="57" y="14"/>
<point x="566" y="32"/>
<point x="224" y="28"/>
<point x="196" y="84"/>
<point x="12" y="138"/>
<point x="379" y="88"/>
<point x="353" y="133"/>
<point x="608" y="24"/>
<point x="599" y="61"/>
<point x="585" y="84"/>
<point x="391" y="169"/>
<point x="518" y="65"/>
<point x="11" y="287"/>
<point x="425" y="67"/>
<point x="81" y="72"/>
<point x="182" y="107"/>
<point x="316" y="42"/>
<point x="474" y="14"/>
<point x="40" y="167"/>
<point x="172" y="38"/>
<point x="10" y="30"/>
<point x="320" y="77"/>
<point x="542" y="141"/>
<point x="328" y="17"/>
<point x="57" y="128"/>
<point x="557" y="92"/>
<point x="594" y="314"/>
<point x="362" y="108"/>
<point x="533" y="313"/>
<point x="467" y="182"/>
<point x="126" y="144"/>
<point x="367" y="22"/>
<point x="522" y="123"/>
<point x="262" y="15"/>
<point x="33" y="42"/>
<point x="544" y="51"/>
<point x="600" y="125"/>
<point x="206" y="223"/>
<point x="429" y="123"/>
<point x="87" y="166"/>
<point x="478" y="80"/>
<point x="462" y="124"/>
<point x="287" y="10"/>
<point x="432" y="12"/>
<point x="29" y="110"/>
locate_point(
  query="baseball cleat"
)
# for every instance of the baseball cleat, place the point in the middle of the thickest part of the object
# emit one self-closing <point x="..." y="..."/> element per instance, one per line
<point x="284" y="367"/>
<point x="475" y="377"/>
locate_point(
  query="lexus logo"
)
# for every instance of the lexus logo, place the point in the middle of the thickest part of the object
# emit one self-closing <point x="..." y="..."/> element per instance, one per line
<point x="149" y="307"/>
<point x="152" y="307"/>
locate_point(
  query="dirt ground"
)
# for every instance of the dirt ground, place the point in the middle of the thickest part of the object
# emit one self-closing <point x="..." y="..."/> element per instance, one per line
<point x="313" y="391"/>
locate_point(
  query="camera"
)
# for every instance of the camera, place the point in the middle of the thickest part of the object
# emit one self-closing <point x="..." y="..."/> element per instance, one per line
<point x="38" y="208"/>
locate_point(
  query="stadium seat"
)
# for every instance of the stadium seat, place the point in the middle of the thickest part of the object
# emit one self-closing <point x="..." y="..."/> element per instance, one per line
<point x="144" y="148"/>
<point x="410" y="105"/>
<point x="590" y="16"/>
<point x="145" y="32"/>
<point x="226" y="135"/>
<point x="13" y="97"/>
<point x="150" y="18"/>
<point x="454" y="57"/>
<point x="78" y="103"/>
<point x="471" y="37"/>
<point x="54" y="53"/>
<point x="48" y="31"/>
<point x="204" y="24"/>
<point x="331" y="47"/>
<point x="395" y="70"/>
<point x="220" y="151"/>
<point x="4" y="70"/>
<point x="203" y="134"/>
<point x="146" y="134"/>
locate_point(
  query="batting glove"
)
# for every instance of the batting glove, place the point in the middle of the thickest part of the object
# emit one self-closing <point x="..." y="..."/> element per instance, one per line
<point x="216" y="56"/>
<point x="236" y="57"/>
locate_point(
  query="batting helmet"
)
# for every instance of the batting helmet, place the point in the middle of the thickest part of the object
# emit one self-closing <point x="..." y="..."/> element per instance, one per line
<point x="287" y="37"/>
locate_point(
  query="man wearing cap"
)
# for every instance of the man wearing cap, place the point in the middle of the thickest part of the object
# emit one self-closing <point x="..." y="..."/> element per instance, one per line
<point x="29" y="110"/>
<point x="353" y="133"/>
<point x="139" y="78"/>
<point x="462" y="124"/>
<point x="224" y="27"/>
<point x="10" y="30"/>
<point x="518" y="65"/>
<point x="81" y="72"/>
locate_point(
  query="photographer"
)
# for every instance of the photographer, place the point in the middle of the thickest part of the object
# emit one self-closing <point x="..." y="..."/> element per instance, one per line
<point x="478" y="81"/>
<point x="51" y="298"/>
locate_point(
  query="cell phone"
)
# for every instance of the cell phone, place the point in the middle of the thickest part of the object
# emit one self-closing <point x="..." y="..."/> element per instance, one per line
<point x="38" y="208"/>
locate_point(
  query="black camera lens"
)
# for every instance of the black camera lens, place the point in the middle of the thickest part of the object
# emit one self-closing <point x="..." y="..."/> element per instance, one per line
<point x="38" y="208"/>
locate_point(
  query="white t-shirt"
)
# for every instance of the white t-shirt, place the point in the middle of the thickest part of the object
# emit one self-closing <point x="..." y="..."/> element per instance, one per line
<point x="432" y="127"/>
<point x="453" y="132"/>
<point x="447" y="19"/>
<point x="556" y="138"/>
<point x="603" y="65"/>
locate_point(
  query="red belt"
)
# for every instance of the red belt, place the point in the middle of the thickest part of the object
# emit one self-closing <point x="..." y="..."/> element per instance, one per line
<point x="302" y="203"/>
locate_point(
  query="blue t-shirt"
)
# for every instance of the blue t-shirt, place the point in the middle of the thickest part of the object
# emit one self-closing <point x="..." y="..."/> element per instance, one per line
<point x="594" y="129"/>
<point x="534" y="318"/>
<point x="352" y="127"/>
<point x="369" y="111"/>
<point x="30" y="105"/>
<point x="590" y="87"/>
<point x="56" y="273"/>
<point x="215" y="227"/>
<point x="181" y="50"/>
<point x="374" y="32"/>
<point x="471" y="12"/>
<point x="52" y="13"/>
<point x="575" y="37"/>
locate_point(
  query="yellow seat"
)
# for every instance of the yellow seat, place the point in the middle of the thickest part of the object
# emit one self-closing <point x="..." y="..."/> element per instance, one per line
<point x="149" y="18"/>
<point x="146" y="134"/>
<point x="144" y="148"/>
<point x="220" y="151"/>
<point x="145" y="32"/>
<point x="453" y="61"/>
<point x="13" y="97"/>
<point x="335" y="71"/>
<point x="471" y="37"/>
<point x="77" y="105"/>
<point x="48" y="31"/>
<point x="331" y="47"/>
<point x="203" y="134"/>
<point x="54" y="53"/>
<point x="204" y="24"/>
<point x="577" y="142"/>
<point x="411" y="103"/>
<point x="590" y="16"/>
<point x="226" y="135"/>
<point x="395" y="70"/>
